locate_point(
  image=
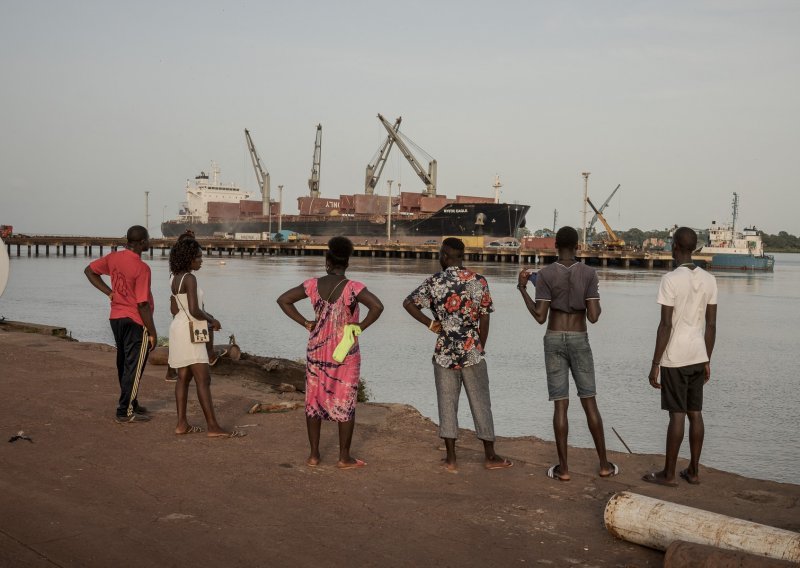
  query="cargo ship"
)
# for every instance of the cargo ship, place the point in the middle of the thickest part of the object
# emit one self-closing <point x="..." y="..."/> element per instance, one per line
<point x="736" y="250"/>
<point x="213" y="208"/>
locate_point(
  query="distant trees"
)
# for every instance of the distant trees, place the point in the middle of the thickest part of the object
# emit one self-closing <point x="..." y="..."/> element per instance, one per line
<point x="782" y="242"/>
<point x="636" y="237"/>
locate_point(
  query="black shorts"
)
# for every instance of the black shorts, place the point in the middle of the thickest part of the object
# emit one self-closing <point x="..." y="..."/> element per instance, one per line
<point x="682" y="388"/>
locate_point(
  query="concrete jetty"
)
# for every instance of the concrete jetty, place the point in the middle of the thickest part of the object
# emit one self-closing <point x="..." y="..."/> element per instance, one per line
<point x="45" y="246"/>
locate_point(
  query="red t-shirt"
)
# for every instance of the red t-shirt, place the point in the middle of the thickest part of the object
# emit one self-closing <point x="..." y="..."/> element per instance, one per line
<point x="130" y="281"/>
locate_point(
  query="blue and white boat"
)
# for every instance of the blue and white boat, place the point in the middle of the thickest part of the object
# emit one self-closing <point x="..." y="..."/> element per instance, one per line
<point x="736" y="250"/>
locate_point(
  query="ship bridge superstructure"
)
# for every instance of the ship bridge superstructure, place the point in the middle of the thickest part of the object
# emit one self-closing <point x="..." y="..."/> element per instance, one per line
<point x="205" y="194"/>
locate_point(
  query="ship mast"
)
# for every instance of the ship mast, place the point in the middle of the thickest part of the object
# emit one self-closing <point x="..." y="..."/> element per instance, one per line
<point x="313" y="181"/>
<point x="497" y="185"/>
<point x="735" y="206"/>
<point x="585" y="197"/>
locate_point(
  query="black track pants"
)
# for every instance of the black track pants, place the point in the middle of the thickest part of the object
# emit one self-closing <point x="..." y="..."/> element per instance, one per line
<point x="132" y="351"/>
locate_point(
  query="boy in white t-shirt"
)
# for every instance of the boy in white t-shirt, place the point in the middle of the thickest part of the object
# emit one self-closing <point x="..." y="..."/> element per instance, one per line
<point x="684" y="342"/>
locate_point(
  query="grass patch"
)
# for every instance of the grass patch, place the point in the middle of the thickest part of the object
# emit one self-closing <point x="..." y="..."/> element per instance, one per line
<point x="364" y="392"/>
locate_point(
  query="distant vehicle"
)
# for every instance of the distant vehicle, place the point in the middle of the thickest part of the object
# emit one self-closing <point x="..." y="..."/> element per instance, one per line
<point x="431" y="242"/>
<point x="513" y="243"/>
<point x="495" y="244"/>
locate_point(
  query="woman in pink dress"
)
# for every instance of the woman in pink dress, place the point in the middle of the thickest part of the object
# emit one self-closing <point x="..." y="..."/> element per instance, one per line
<point x="331" y="387"/>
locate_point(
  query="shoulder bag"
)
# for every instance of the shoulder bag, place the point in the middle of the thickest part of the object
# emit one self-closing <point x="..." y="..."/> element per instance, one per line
<point x="198" y="329"/>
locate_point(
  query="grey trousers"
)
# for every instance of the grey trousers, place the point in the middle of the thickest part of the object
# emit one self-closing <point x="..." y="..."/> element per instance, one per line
<point x="448" y="390"/>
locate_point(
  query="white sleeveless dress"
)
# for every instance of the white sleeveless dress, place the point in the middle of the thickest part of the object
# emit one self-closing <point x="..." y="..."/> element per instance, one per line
<point x="182" y="352"/>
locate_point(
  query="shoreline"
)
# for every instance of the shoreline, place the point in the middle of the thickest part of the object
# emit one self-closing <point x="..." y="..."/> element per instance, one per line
<point x="172" y="500"/>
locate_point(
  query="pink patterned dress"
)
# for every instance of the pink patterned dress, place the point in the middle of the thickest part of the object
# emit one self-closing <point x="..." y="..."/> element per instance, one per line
<point x="331" y="387"/>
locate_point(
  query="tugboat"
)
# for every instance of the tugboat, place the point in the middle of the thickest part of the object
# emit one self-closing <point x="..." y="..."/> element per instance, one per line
<point x="736" y="250"/>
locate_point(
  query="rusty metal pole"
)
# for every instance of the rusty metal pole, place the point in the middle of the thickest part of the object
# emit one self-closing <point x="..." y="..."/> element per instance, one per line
<point x="585" y="197"/>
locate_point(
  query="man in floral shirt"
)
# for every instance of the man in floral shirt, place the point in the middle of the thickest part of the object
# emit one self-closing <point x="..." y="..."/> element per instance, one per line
<point x="460" y="303"/>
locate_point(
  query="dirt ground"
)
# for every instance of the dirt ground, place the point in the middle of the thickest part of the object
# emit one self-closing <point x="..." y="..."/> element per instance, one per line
<point x="89" y="492"/>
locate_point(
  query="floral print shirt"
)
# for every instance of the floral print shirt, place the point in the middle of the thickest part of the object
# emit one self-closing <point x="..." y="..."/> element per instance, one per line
<point x="457" y="297"/>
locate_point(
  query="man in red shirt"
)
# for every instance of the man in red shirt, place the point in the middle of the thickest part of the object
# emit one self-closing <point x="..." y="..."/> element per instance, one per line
<point x="131" y="316"/>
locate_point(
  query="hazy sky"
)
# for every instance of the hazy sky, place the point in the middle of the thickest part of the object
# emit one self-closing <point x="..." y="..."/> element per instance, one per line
<point x="682" y="103"/>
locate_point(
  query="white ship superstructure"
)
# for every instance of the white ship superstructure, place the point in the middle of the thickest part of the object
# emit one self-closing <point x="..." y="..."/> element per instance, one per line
<point x="725" y="240"/>
<point x="201" y="191"/>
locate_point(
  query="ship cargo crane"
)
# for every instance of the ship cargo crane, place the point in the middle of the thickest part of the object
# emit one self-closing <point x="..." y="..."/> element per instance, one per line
<point x="602" y="208"/>
<point x="428" y="177"/>
<point x="313" y="181"/>
<point x="262" y="175"/>
<point x="613" y="241"/>
<point x="376" y="165"/>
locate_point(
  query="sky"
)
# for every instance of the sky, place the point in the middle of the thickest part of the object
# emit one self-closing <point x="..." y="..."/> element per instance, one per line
<point x="682" y="103"/>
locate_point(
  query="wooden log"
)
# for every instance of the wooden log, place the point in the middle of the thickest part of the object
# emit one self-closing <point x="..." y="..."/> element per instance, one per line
<point x="681" y="554"/>
<point x="269" y="370"/>
<point x="656" y="524"/>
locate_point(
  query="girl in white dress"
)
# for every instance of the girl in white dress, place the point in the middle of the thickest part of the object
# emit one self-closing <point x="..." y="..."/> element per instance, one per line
<point x="190" y="359"/>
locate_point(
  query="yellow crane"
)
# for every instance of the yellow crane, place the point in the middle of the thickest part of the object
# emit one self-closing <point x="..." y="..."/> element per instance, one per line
<point x="613" y="241"/>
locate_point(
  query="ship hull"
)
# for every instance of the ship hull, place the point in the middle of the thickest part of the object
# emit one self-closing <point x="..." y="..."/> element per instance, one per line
<point x="742" y="262"/>
<point x="494" y="220"/>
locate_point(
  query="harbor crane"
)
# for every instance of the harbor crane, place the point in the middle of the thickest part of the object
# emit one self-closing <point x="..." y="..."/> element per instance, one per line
<point x="313" y="181"/>
<point x="376" y="165"/>
<point x="602" y="208"/>
<point x="612" y="240"/>
<point x="262" y="176"/>
<point x="428" y="177"/>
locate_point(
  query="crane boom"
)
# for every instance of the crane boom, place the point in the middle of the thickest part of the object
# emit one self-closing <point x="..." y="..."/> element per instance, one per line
<point x="613" y="239"/>
<point x="428" y="177"/>
<point x="313" y="181"/>
<point x="262" y="175"/>
<point x="603" y="207"/>
<point x="375" y="167"/>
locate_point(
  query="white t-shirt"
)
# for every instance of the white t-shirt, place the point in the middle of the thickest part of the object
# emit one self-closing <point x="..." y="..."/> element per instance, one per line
<point x="688" y="292"/>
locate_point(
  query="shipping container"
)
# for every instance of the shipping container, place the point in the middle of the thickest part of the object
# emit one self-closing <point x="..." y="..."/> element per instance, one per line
<point x="473" y="199"/>
<point x="317" y="205"/>
<point x="371" y="204"/>
<point x="219" y="211"/>
<point x="433" y="204"/>
<point x="247" y="236"/>
<point x="538" y="243"/>
<point x="251" y="208"/>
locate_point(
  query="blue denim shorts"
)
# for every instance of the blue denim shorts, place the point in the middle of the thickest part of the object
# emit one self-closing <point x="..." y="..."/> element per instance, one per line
<point x="565" y="351"/>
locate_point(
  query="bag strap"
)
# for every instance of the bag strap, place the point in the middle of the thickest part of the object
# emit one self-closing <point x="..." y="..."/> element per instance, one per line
<point x="328" y="299"/>
<point x="177" y="300"/>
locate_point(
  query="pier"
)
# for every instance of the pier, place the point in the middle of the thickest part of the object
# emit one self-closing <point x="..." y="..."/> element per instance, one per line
<point x="47" y="246"/>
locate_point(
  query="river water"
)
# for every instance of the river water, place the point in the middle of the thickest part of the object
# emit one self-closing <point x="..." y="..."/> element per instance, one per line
<point x="751" y="402"/>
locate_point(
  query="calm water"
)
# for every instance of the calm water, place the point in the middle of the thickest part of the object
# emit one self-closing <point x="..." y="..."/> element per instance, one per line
<point x="750" y="405"/>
